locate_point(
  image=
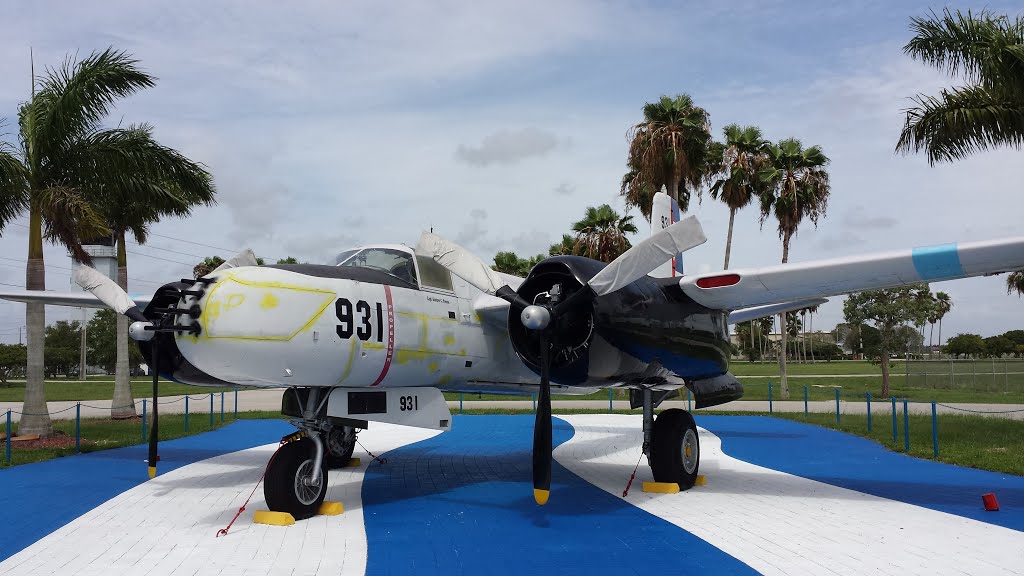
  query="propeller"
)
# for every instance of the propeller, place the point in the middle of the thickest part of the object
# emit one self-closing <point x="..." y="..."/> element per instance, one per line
<point x="632" y="265"/>
<point x="108" y="292"/>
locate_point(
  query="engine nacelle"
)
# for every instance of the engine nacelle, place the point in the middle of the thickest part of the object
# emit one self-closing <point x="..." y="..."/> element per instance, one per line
<point x="551" y="282"/>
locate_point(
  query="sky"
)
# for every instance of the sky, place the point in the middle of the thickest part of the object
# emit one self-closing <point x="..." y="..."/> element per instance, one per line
<point x="332" y="124"/>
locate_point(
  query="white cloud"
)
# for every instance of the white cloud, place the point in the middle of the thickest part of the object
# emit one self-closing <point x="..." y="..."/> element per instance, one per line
<point x="508" y="147"/>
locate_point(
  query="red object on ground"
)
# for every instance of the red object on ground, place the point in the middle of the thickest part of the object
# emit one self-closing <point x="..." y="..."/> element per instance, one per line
<point x="991" y="504"/>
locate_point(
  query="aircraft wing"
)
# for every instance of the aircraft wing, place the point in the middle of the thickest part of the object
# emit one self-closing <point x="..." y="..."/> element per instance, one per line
<point x="747" y="314"/>
<point x="732" y="289"/>
<point x="72" y="299"/>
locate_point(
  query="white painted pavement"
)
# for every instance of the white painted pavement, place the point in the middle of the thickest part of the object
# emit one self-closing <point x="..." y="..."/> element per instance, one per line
<point x="783" y="524"/>
<point x="168" y="525"/>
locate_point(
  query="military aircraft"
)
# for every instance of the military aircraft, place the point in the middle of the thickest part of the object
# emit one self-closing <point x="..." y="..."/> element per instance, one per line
<point x="381" y="333"/>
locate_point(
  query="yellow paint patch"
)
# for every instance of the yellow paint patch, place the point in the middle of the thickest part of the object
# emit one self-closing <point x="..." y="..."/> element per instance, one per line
<point x="348" y="364"/>
<point x="374" y="345"/>
<point x="405" y="356"/>
<point x="444" y="380"/>
<point x="269" y="302"/>
<point x="331" y="509"/>
<point x="432" y="367"/>
<point x="661" y="487"/>
<point x="234" y="300"/>
<point x="449" y="339"/>
<point x="273" y="518"/>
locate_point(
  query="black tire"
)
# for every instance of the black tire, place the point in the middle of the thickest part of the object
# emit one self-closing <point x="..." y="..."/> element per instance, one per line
<point x="282" y="487"/>
<point x="339" y="443"/>
<point x="674" y="432"/>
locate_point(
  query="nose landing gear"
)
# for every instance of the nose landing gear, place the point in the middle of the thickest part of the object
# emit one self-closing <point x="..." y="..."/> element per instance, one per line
<point x="296" y="480"/>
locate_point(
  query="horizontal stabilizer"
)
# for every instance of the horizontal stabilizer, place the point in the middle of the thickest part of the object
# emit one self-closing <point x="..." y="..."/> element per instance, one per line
<point x="72" y="299"/>
<point x="732" y="289"/>
<point x="748" y="314"/>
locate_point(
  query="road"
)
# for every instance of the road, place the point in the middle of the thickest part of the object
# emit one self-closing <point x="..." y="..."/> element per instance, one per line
<point x="270" y="400"/>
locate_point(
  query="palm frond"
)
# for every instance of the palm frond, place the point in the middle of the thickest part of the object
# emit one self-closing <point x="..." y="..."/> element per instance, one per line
<point x="13" y="185"/>
<point x="962" y="121"/>
<point x="1015" y="281"/>
<point x="69" y="218"/>
<point x="76" y="96"/>
<point x="984" y="47"/>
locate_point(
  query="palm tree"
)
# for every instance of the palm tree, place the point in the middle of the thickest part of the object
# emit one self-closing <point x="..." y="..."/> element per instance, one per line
<point x="64" y="163"/>
<point x="744" y="158"/>
<point x="1015" y="281"/>
<point x="671" y="149"/>
<point x="566" y="246"/>
<point x="988" y="52"/>
<point x="170" y="186"/>
<point x="799" y="188"/>
<point x="601" y="234"/>
<point x="943" y="304"/>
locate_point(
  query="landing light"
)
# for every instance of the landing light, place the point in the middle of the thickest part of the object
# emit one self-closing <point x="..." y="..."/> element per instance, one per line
<point x="718" y="281"/>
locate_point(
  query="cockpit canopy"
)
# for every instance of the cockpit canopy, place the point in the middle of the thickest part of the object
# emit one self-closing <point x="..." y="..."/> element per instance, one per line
<point x="398" y="261"/>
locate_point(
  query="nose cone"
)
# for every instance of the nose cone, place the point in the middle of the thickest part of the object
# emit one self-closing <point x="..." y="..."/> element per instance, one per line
<point x="535" y="317"/>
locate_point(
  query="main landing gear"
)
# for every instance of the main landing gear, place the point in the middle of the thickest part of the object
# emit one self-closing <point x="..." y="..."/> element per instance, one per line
<point x="671" y="444"/>
<point x="296" y="478"/>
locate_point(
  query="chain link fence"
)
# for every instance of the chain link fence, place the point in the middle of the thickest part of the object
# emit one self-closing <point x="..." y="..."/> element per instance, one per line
<point x="985" y="374"/>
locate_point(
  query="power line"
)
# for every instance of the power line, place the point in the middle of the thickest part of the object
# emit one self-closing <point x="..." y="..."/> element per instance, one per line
<point x="55" y="267"/>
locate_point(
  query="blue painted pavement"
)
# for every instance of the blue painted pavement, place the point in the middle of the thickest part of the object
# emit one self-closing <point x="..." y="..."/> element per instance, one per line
<point x="860" y="464"/>
<point x="39" y="498"/>
<point x="462" y="503"/>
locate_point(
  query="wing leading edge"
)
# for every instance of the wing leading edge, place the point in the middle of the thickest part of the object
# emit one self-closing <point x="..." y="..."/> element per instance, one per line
<point x="72" y="299"/>
<point x="732" y="289"/>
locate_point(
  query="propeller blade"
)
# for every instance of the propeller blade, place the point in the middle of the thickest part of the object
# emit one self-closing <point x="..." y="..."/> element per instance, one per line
<point x="108" y="292"/>
<point x="542" y="429"/>
<point x="460" y="262"/>
<point x="244" y="258"/>
<point x="154" y="432"/>
<point x="641" y="259"/>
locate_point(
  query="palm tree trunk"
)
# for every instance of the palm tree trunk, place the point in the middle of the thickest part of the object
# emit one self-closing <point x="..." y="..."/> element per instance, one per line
<point x="728" y="238"/>
<point x="35" y="417"/>
<point x="123" y="404"/>
<point x="931" y="341"/>
<point x="673" y="191"/>
<point x="810" y="317"/>
<point x="783" y="382"/>
<point x="940" y="336"/>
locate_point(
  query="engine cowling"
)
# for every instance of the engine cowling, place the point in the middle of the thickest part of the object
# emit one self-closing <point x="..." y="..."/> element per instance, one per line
<point x="551" y="282"/>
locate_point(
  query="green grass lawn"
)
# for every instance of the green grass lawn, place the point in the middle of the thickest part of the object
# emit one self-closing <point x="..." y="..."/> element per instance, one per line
<point x="102" y="390"/>
<point x="987" y="443"/>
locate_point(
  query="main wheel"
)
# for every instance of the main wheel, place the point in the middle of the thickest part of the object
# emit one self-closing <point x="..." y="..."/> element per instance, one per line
<point x="675" y="448"/>
<point x="285" y="486"/>
<point x="339" y="443"/>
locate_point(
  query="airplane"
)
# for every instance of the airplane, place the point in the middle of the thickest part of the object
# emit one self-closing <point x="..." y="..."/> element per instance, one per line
<point x="379" y="335"/>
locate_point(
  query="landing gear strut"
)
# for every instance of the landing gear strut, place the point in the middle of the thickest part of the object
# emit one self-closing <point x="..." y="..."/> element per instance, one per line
<point x="671" y="444"/>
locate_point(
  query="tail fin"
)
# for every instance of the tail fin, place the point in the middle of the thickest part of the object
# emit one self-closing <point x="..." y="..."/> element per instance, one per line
<point x="664" y="213"/>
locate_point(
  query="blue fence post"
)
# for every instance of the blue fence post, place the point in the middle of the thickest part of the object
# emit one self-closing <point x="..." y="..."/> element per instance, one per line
<point x="906" y="427"/>
<point x="689" y="407"/>
<point x="867" y="395"/>
<point x="894" y="421"/>
<point x="805" y="399"/>
<point x="222" y="406"/>
<point x="211" y="410"/>
<point x="143" y="419"/>
<point x="770" y="409"/>
<point x="935" y="432"/>
<point x="236" y="402"/>
<point x="186" y="413"/>
<point x="837" y="406"/>
<point x="611" y="397"/>
<point x="460" y="402"/>
<point x="78" y="428"/>
<point x="7" y="442"/>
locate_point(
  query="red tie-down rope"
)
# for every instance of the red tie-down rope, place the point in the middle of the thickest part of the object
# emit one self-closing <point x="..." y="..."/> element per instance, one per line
<point x="224" y="531"/>
<point x="633" y="475"/>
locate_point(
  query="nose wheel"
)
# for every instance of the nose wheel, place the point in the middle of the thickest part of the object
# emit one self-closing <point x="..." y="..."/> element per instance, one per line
<point x="291" y="485"/>
<point x="675" y="448"/>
